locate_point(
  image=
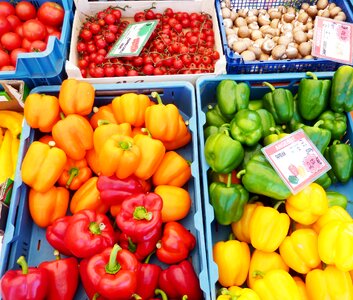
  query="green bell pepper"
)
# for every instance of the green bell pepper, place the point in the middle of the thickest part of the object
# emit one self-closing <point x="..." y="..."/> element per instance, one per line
<point x="313" y="96"/>
<point x="209" y="130"/>
<point x="296" y="120"/>
<point x="319" y="136"/>
<point x="232" y="96"/>
<point x="335" y="198"/>
<point x="215" y="117"/>
<point x="335" y="122"/>
<point x="222" y="153"/>
<point x="249" y="152"/>
<point x="246" y="127"/>
<point x="267" y="121"/>
<point x="324" y="180"/>
<point x="279" y="102"/>
<point x="259" y="177"/>
<point x="340" y="157"/>
<point x="342" y="89"/>
<point x="228" y="201"/>
<point x="274" y="136"/>
<point x="256" y="104"/>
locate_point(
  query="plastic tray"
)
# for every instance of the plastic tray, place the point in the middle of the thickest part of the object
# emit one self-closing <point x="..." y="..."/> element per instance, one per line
<point x="46" y="67"/>
<point x="23" y="237"/>
<point x="84" y="8"/>
<point x="235" y="63"/>
<point x="205" y="95"/>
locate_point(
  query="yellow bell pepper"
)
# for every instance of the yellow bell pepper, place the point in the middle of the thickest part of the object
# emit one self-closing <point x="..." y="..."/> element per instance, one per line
<point x="261" y="262"/>
<point x="302" y="287"/>
<point x="11" y="120"/>
<point x="335" y="243"/>
<point x="308" y="205"/>
<point x="299" y="250"/>
<point x="268" y="228"/>
<point x="7" y="168"/>
<point x="330" y="283"/>
<point x="232" y="258"/>
<point x="241" y="228"/>
<point x="238" y="293"/>
<point x="334" y="213"/>
<point x="277" y="285"/>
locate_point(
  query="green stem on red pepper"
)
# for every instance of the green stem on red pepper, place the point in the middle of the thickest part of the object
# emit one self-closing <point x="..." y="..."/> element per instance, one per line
<point x="141" y="213"/>
<point x="23" y="264"/>
<point x="161" y="293"/>
<point x="113" y="266"/>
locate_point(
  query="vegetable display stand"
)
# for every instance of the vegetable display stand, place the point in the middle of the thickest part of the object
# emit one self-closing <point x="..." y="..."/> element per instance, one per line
<point x="24" y="237"/>
<point x="206" y="88"/>
<point x="46" y="67"/>
<point x="237" y="65"/>
<point x="128" y="9"/>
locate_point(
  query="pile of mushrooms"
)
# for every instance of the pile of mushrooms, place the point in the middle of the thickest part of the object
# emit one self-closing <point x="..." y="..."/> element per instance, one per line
<point x="276" y="33"/>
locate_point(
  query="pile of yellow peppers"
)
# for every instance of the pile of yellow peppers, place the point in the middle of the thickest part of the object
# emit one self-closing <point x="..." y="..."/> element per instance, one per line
<point x="303" y="251"/>
<point x="10" y="130"/>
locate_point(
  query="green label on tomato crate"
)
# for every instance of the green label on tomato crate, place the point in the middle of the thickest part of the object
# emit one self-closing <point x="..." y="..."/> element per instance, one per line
<point x="296" y="160"/>
<point x="133" y="39"/>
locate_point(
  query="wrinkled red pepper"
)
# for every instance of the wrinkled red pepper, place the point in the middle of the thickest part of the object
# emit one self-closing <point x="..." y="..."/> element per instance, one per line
<point x="114" y="191"/>
<point x="176" y="243"/>
<point x="55" y="234"/>
<point x="179" y="281"/>
<point x="89" y="233"/>
<point x="113" y="273"/>
<point x="140" y="217"/>
<point x="29" y="283"/>
<point x="62" y="277"/>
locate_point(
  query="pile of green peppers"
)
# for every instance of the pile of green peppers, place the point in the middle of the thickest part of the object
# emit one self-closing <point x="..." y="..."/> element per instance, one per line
<point x="237" y="128"/>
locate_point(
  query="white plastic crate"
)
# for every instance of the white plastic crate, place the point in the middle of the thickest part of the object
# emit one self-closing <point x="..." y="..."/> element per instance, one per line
<point x="85" y="8"/>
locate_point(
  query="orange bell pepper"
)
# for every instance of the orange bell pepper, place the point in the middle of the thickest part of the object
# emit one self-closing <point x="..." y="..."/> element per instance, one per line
<point x="42" y="166"/>
<point x="76" y="97"/>
<point x="241" y="228"/>
<point x="93" y="161"/>
<point x="300" y="250"/>
<point x="173" y="170"/>
<point x="106" y="130"/>
<point x="330" y="283"/>
<point x="302" y="288"/>
<point x="262" y="262"/>
<point x="231" y="269"/>
<point x="87" y="197"/>
<point x="182" y="138"/>
<point x="130" y="108"/>
<point x="115" y="209"/>
<point x="76" y="173"/>
<point x="176" y="202"/>
<point x="120" y="156"/>
<point x="152" y="153"/>
<point x="42" y="111"/>
<point x="138" y="130"/>
<point x="74" y="135"/>
<point x="48" y="139"/>
<point x="49" y="206"/>
<point x="103" y="113"/>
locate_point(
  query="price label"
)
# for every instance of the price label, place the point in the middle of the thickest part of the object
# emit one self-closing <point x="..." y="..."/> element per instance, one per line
<point x="133" y="39"/>
<point x="333" y="40"/>
<point x="296" y="160"/>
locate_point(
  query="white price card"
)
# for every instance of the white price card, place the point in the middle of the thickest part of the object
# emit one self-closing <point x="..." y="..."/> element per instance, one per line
<point x="133" y="39"/>
<point x="333" y="40"/>
<point x="296" y="160"/>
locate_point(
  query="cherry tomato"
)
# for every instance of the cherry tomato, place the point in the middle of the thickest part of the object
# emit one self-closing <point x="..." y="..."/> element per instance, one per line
<point x="98" y="72"/>
<point x="34" y="30"/>
<point x="117" y="14"/>
<point x="5" y="25"/>
<point x="95" y="28"/>
<point x="109" y="71"/>
<point x="132" y="72"/>
<point x="169" y="12"/>
<point x="26" y="44"/>
<point x="14" y="21"/>
<point x="140" y="16"/>
<point x="51" y="13"/>
<point x="148" y="69"/>
<point x="25" y="10"/>
<point x="57" y="34"/>
<point x="150" y="15"/>
<point x="110" y="19"/>
<point x="4" y="58"/>
<point x="82" y="63"/>
<point x="11" y="41"/>
<point x="14" y="54"/>
<point x="38" y="46"/>
<point x="86" y="35"/>
<point x="6" y="9"/>
<point x="120" y="70"/>
<point x="19" y="30"/>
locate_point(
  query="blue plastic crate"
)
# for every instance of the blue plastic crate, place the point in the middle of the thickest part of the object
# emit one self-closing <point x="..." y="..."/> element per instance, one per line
<point x="236" y="64"/>
<point x="46" y="67"/>
<point x="23" y="237"/>
<point x="206" y="95"/>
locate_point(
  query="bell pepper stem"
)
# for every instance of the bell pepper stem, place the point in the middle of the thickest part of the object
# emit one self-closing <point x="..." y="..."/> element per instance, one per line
<point x="113" y="266"/>
<point x="311" y="74"/>
<point x="241" y="173"/>
<point x="229" y="180"/>
<point x="274" y="130"/>
<point x="147" y="260"/>
<point x="62" y="116"/>
<point x="131" y="246"/>
<point x="231" y="237"/>
<point x="156" y="96"/>
<point x="95" y="296"/>
<point x="57" y="254"/>
<point x="318" y="123"/>
<point x="136" y="296"/>
<point x="269" y="85"/>
<point x="257" y="274"/>
<point x="335" y="142"/>
<point x="73" y="173"/>
<point x="125" y="145"/>
<point x="96" y="228"/>
<point x="276" y="206"/>
<point x="147" y="131"/>
<point x="23" y="264"/>
<point x="185" y="297"/>
<point x="161" y="293"/>
<point x="141" y="213"/>
<point x="102" y="122"/>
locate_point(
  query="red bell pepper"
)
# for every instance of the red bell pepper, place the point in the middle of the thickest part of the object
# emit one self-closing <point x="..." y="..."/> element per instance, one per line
<point x="140" y="216"/>
<point x="176" y="243"/>
<point x="55" y="234"/>
<point x="28" y="284"/>
<point x="179" y="281"/>
<point x="113" y="273"/>
<point x="62" y="277"/>
<point x="114" y="191"/>
<point x="89" y="233"/>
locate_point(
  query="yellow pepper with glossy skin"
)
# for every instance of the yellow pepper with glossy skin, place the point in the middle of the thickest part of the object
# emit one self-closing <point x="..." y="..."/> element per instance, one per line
<point x="237" y="293"/>
<point x="302" y="287"/>
<point x="308" y="205"/>
<point x="335" y="244"/>
<point x="268" y="228"/>
<point x="232" y="258"/>
<point x="277" y="285"/>
<point x="300" y="251"/>
<point x="11" y="120"/>
<point x="7" y="167"/>
<point x="330" y="283"/>
<point x="334" y="213"/>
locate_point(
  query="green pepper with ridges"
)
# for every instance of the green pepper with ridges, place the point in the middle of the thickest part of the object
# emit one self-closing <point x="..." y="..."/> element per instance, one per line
<point x="336" y="199"/>
<point x="319" y="136"/>
<point x="296" y="120"/>
<point x="215" y="117"/>
<point x="324" y="180"/>
<point x="335" y="122"/>
<point x="256" y="104"/>
<point x="249" y="152"/>
<point x="342" y="89"/>
<point x="267" y="121"/>
<point x="209" y="130"/>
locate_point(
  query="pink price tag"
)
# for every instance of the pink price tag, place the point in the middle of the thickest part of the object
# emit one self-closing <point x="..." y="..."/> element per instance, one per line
<point x="296" y="160"/>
